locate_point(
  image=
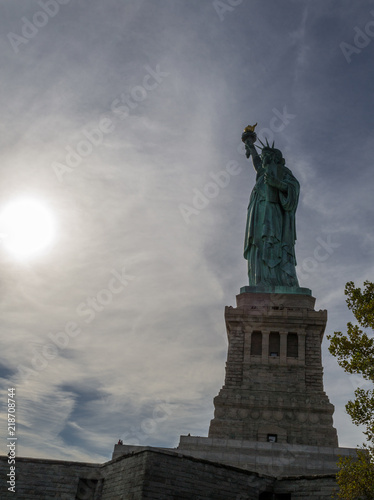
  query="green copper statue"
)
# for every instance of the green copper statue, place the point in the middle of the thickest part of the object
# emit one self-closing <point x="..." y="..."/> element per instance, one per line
<point x="270" y="233"/>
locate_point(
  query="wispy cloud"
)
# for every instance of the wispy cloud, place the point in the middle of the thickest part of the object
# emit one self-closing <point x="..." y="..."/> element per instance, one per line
<point x="161" y="341"/>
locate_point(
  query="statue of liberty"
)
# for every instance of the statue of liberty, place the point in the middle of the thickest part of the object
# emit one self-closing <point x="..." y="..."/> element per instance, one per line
<point x="270" y="234"/>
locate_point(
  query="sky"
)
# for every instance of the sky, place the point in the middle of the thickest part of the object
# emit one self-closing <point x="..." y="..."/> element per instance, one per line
<point x="124" y="120"/>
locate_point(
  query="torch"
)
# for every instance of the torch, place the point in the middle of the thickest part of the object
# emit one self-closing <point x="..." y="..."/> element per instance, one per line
<point x="249" y="138"/>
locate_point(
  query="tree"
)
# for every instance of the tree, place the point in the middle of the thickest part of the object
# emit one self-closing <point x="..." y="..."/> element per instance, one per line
<point x="356" y="477"/>
<point x="354" y="351"/>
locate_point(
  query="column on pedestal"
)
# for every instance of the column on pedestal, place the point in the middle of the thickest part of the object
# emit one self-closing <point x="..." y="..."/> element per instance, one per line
<point x="283" y="346"/>
<point x="265" y="346"/>
<point x="301" y="346"/>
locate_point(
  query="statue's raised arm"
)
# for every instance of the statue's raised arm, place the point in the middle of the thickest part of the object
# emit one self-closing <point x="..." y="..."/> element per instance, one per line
<point x="270" y="233"/>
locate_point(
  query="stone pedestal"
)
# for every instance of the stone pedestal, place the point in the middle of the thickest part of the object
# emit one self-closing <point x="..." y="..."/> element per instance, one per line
<point x="272" y="415"/>
<point x="273" y="389"/>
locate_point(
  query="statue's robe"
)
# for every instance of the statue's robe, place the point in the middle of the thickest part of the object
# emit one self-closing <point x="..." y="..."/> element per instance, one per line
<point x="270" y="235"/>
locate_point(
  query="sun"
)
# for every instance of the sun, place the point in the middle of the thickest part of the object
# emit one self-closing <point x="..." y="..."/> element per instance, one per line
<point x="27" y="227"/>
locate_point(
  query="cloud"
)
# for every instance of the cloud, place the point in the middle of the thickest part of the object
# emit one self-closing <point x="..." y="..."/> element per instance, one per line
<point x="159" y="343"/>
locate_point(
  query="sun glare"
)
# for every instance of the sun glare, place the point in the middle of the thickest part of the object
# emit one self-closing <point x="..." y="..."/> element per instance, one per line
<point x="27" y="227"/>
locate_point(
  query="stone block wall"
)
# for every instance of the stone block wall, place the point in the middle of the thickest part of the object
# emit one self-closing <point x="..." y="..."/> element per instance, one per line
<point x="147" y="474"/>
<point x="38" y="479"/>
<point x="311" y="488"/>
<point x="155" y="475"/>
<point x="125" y="479"/>
<point x="168" y="477"/>
<point x="272" y="459"/>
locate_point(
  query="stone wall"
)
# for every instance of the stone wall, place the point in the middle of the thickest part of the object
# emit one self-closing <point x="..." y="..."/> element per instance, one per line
<point x="146" y="474"/>
<point x="311" y="488"/>
<point x="154" y="474"/>
<point x="274" y="459"/>
<point x="170" y="476"/>
<point x="38" y="479"/>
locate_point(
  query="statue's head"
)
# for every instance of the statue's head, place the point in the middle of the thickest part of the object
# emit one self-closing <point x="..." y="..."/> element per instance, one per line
<point x="271" y="154"/>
